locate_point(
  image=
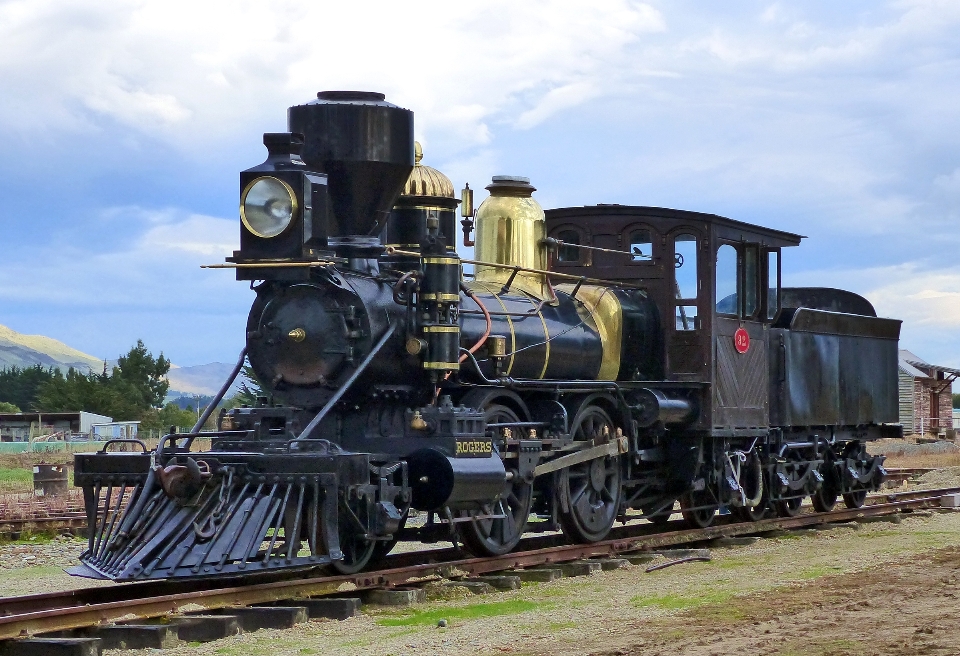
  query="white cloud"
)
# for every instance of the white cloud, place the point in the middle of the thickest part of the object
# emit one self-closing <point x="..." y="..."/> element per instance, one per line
<point x="183" y="69"/>
<point x="836" y="121"/>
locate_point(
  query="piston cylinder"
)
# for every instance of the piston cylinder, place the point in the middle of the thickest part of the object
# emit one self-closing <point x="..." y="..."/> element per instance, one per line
<point x="439" y="481"/>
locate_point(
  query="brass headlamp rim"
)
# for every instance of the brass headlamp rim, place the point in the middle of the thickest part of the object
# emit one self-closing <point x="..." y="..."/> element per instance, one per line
<point x="294" y="206"/>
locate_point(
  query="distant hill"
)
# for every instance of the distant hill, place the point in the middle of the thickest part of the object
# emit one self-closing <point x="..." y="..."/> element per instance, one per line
<point x="18" y="350"/>
<point x="203" y="379"/>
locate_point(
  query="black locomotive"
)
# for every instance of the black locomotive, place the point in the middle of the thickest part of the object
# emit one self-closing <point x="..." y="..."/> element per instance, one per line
<point x="600" y="363"/>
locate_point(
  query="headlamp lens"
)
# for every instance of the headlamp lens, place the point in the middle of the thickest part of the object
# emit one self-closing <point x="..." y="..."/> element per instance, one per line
<point x="267" y="207"/>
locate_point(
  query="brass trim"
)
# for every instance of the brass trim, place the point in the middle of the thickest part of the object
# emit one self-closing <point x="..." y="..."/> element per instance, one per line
<point x="546" y="342"/>
<point x="442" y="365"/>
<point x="437" y="208"/>
<point x="294" y="205"/>
<point x="607" y="314"/>
<point x="441" y="329"/>
<point x="260" y="265"/>
<point x="436" y="260"/>
<point x="440" y="297"/>
<point x="297" y="334"/>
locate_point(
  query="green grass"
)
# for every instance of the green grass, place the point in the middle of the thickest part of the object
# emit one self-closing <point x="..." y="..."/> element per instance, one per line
<point x="16" y="479"/>
<point x="473" y="611"/>
<point x="682" y="602"/>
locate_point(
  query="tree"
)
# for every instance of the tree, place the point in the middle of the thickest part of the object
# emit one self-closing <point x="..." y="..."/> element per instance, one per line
<point x="131" y="390"/>
<point x="90" y="392"/>
<point x="144" y="374"/>
<point x="956" y="401"/>
<point x="21" y="386"/>
<point x="8" y="407"/>
<point x="169" y="415"/>
<point x="250" y="389"/>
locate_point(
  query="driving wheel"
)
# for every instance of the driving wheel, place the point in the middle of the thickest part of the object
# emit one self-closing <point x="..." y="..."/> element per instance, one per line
<point x="499" y="525"/>
<point x="589" y="492"/>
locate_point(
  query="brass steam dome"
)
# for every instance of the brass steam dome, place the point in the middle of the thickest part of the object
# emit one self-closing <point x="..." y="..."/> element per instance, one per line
<point x="426" y="180"/>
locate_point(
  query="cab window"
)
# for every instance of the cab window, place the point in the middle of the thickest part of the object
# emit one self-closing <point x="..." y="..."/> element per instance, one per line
<point x="641" y="245"/>
<point x="751" y="276"/>
<point x="773" y="283"/>
<point x="686" y="282"/>
<point x="728" y="284"/>
<point x="568" y="252"/>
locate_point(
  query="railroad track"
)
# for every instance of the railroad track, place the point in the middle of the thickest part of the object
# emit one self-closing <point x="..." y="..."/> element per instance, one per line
<point x="88" y="607"/>
<point x="73" y="522"/>
<point x="900" y="474"/>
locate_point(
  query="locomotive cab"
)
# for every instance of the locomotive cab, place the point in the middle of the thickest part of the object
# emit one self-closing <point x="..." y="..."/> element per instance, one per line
<point x="716" y="281"/>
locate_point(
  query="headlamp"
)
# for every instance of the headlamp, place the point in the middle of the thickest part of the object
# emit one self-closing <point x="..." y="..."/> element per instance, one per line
<point x="267" y="206"/>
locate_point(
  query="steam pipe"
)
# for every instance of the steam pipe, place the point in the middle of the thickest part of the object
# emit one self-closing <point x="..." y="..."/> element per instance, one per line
<point x="486" y="315"/>
<point x="223" y="391"/>
<point x="304" y="434"/>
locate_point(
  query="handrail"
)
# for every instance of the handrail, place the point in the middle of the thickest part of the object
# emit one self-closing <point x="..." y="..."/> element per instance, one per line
<point x="513" y="267"/>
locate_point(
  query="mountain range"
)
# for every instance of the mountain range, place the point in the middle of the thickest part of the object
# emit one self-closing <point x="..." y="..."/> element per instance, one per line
<point x="19" y="350"/>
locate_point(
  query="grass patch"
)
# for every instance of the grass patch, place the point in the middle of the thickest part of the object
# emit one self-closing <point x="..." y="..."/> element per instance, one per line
<point x="473" y="611"/>
<point x="559" y="626"/>
<point x="682" y="602"/>
<point x="42" y="537"/>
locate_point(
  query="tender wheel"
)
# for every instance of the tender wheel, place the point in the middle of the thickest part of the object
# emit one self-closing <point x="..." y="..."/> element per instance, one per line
<point x="825" y="499"/>
<point x="855" y="499"/>
<point x="494" y="537"/>
<point x="789" y="507"/>
<point x="589" y="492"/>
<point x="858" y="452"/>
<point x="698" y="509"/>
<point x="750" y="478"/>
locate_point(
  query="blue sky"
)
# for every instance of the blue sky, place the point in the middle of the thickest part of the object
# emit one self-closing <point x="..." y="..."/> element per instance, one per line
<point x="124" y="124"/>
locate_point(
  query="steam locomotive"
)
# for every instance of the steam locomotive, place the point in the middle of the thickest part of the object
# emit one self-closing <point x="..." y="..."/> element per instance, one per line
<point x="599" y="363"/>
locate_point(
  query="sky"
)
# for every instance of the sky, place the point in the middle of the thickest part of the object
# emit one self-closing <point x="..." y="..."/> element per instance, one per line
<point x="124" y="124"/>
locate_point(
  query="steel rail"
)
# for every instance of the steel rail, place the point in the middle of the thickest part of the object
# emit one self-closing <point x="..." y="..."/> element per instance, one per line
<point x="32" y="614"/>
<point x="71" y="520"/>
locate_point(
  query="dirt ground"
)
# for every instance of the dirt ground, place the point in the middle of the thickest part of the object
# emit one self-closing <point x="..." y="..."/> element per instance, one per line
<point x="905" y="608"/>
<point x="853" y="590"/>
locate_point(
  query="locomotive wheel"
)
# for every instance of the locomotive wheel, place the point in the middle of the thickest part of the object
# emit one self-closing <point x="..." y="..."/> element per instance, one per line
<point x="697" y="509"/>
<point x="357" y="553"/>
<point x="494" y="537"/>
<point x="855" y="499"/>
<point x="789" y="507"/>
<point x="590" y="490"/>
<point x="383" y="547"/>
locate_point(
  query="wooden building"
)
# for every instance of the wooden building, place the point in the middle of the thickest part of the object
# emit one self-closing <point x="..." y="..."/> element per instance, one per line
<point x="926" y="397"/>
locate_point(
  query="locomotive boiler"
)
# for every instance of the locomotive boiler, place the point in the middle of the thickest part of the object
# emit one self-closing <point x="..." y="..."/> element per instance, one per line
<point x="598" y="363"/>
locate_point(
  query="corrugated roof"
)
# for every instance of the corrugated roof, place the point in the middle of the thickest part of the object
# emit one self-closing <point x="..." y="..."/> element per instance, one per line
<point x="910" y="370"/>
<point x="909" y="363"/>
